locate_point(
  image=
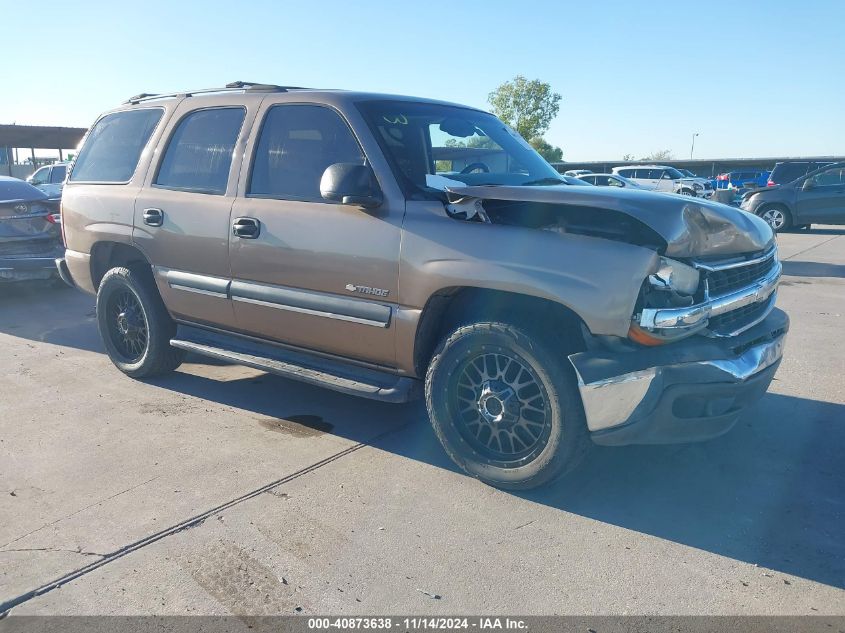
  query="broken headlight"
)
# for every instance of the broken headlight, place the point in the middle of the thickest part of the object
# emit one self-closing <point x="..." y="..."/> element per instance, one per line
<point x="666" y="310"/>
<point x="673" y="276"/>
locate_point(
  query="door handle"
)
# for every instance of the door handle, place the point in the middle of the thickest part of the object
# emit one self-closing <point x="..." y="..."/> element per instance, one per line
<point x="247" y="228"/>
<point x="153" y="217"/>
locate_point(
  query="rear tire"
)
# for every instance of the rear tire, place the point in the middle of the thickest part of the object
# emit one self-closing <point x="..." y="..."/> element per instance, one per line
<point x="134" y="324"/>
<point x="505" y="406"/>
<point x="777" y="217"/>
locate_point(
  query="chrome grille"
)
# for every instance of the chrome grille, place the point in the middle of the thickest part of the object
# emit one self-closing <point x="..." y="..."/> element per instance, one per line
<point x="722" y="278"/>
<point x="729" y="322"/>
<point x="725" y="280"/>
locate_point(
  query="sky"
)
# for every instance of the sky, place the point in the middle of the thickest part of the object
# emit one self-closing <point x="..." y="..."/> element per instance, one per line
<point x="753" y="79"/>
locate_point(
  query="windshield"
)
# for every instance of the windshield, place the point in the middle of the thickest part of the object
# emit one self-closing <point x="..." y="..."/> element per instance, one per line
<point x="432" y="147"/>
<point x="673" y="173"/>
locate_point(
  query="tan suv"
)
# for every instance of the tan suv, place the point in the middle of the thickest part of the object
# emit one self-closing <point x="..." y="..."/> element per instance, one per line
<point x="384" y="246"/>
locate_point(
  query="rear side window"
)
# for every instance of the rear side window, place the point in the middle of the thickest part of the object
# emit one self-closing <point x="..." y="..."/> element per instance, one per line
<point x="199" y="154"/>
<point x="297" y="144"/>
<point x="626" y="173"/>
<point x="114" y="145"/>
<point x="58" y="174"/>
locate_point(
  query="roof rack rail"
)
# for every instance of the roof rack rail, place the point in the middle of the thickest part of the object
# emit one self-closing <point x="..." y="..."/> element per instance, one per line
<point x="244" y="86"/>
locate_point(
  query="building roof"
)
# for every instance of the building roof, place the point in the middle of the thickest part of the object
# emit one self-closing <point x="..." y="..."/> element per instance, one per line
<point x="40" y="136"/>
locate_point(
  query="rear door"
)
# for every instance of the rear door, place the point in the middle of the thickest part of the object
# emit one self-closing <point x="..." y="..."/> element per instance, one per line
<point x="825" y="201"/>
<point x="182" y="214"/>
<point x="317" y="274"/>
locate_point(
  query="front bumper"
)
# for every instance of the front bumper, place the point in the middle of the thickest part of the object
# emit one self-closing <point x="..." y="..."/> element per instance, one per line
<point x="683" y="392"/>
<point x="25" y="268"/>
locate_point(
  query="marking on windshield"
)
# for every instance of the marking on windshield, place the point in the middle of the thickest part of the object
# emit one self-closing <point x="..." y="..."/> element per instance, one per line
<point x="399" y="119"/>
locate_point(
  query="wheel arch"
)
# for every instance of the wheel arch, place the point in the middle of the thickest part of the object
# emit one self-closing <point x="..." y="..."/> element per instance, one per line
<point x="106" y="255"/>
<point x="453" y="306"/>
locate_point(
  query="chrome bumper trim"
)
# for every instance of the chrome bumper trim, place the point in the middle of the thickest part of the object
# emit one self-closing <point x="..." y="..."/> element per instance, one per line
<point x="610" y="401"/>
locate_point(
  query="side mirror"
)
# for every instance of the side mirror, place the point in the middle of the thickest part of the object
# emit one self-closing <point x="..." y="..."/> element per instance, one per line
<point x="808" y="184"/>
<point x="350" y="183"/>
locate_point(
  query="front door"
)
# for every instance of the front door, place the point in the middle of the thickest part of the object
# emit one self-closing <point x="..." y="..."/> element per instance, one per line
<point x="182" y="214"/>
<point x="824" y="201"/>
<point x="315" y="274"/>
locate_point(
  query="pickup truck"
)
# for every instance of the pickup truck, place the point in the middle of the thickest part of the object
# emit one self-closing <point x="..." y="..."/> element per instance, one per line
<point x="392" y="248"/>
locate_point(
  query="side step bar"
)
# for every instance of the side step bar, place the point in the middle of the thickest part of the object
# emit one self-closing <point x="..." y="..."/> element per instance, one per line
<point x="314" y="370"/>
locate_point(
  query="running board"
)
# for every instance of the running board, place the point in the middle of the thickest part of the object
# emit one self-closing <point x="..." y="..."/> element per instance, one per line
<point x="308" y="368"/>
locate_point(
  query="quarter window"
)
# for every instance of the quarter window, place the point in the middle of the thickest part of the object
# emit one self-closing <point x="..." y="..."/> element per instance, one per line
<point x="296" y="145"/>
<point x="114" y="145"/>
<point x="199" y="154"/>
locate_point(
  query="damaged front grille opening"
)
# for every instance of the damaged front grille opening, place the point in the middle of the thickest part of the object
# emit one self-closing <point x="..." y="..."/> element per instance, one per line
<point x="560" y="218"/>
<point x="721" y="282"/>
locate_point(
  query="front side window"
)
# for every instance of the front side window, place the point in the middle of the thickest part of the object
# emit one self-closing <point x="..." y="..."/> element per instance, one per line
<point x="114" y="145"/>
<point x="296" y="145"/>
<point x="199" y="154"/>
<point x="40" y="176"/>
<point x="830" y="178"/>
<point x="57" y="175"/>
<point x="431" y="147"/>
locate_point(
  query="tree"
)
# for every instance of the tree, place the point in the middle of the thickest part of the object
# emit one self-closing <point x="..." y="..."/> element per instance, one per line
<point x="548" y="151"/>
<point x="527" y="106"/>
<point x="659" y="156"/>
<point x="628" y="158"/>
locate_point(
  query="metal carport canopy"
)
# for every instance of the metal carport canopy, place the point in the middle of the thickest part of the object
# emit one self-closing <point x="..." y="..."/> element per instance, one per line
<point x="40" y="136"/>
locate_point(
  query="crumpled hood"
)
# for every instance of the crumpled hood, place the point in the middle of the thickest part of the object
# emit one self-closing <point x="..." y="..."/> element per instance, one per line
<point x="691" y="227"/>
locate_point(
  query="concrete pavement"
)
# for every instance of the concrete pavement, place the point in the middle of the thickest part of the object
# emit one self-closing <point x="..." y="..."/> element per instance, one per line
<point x="224" y="490"/>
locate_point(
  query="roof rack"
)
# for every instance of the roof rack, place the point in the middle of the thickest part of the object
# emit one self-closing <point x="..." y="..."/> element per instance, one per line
<point x="235" y="86"/>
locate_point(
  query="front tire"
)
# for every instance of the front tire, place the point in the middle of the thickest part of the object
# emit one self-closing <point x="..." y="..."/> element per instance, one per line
<point x="777" y="217"/>
<point x="505" y="406"/>
<point x="134" y="324"/>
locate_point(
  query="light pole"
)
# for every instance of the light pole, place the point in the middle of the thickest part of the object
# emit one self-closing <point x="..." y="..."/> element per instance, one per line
<point x="692" y="149"/>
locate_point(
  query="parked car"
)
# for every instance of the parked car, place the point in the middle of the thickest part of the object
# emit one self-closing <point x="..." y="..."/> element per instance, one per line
<point x="789" y="170"/>
<point x="745" y="179"/>
<point x="817" y="197"/>
<point x="49" y="179"/>
<point x="609" y="180"/>
<point x="571" y="180"/>
<point x="574" y="173"/>
<point x="267" y="226"/>
<point x="663" y="178"/>
<point x="30" y="233"/>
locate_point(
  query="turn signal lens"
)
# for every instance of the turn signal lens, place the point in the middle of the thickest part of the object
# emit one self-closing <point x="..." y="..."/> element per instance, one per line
<point x="639" y="335"/>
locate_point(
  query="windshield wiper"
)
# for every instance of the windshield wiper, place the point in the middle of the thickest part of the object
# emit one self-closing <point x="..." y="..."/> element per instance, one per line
<point x="551" y="180"/>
